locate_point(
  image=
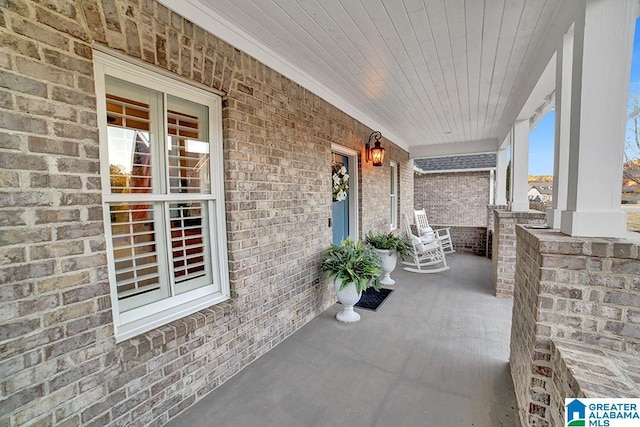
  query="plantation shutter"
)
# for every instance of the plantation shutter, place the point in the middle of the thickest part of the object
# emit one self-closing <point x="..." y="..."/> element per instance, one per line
<point x="135" y="223"/>
<point x="188" y="158"/>
<point x="161" y="239"/>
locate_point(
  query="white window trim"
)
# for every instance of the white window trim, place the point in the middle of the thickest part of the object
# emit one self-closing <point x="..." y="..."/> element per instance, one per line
<point x="148" y="317"/>
<point x="393" y="224"/>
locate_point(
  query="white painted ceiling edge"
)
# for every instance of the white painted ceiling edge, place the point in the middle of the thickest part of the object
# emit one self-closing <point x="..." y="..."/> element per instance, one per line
<point x="540" y="81"/>
<point x="540" y="102"/>
<point x="204" y="17"/>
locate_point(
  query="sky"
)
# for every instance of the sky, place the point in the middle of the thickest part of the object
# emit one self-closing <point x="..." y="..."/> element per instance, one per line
<point x="541" y="137"/>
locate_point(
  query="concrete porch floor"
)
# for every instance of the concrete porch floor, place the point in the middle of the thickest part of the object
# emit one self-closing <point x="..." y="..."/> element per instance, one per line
<point x="434" y="354"/>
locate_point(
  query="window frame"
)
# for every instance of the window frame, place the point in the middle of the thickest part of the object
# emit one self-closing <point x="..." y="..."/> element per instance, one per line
<point x="136" y="321"/>
<point x="393" y="192"/>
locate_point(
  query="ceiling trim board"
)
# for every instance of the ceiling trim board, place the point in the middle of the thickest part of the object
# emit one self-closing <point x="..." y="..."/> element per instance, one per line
<point x="421" y="172"/>
<point x="454" y="148"/>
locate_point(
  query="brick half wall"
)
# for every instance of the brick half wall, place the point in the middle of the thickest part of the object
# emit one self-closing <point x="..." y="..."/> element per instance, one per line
<point x="471" y="240"/>
<point x="585" y="293"/>
<point x="504" y="246"/>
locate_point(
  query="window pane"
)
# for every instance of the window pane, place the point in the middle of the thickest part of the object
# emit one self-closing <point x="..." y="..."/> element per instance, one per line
<point x="189" y="245"/>
<point x="131" y="117"/>
<point x="189" y="166"/>
<point x="135" y="254"/>
<point x="129" y="160"/>
<point x="393" y="205"/>
<point x="188" y="146"/>
<point x="123" y="112"/>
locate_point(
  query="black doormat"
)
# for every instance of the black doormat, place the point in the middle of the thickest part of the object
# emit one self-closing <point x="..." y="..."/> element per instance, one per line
<point x="372" y="299"/>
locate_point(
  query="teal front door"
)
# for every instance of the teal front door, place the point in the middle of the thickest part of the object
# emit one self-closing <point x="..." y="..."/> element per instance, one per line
<point x="340" y="217"/>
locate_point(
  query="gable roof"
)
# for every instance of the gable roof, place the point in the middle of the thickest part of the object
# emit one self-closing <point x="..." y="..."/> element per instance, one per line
<point x="482" y="161"/>
<point x="542" y="187"/>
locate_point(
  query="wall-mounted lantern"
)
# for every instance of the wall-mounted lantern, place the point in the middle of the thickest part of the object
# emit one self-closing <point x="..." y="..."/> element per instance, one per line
<point x="375" y="154"/>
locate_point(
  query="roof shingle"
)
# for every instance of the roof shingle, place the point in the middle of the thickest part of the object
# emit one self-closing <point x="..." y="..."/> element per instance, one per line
<point x="453" y="163"/>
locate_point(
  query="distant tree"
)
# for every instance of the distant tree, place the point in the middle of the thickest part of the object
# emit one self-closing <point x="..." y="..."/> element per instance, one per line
<point x="631" y="169"/>
<point x="119" y="179"/>
<point x="540" y="178"/>
<point x="508" y="180"/>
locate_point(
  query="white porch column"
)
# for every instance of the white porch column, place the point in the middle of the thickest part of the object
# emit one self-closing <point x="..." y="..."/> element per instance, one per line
<point x="564" y="58"/>
<point x="501" y="178"/>
<point x="520" y="167"/>
<point x="603" y="41"/>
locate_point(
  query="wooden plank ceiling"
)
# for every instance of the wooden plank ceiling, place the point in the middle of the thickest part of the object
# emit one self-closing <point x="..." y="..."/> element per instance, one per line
<point x="424" y="72"/>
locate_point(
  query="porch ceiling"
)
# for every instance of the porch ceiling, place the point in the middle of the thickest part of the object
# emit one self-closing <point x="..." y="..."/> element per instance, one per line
<point x="435" y="77"/>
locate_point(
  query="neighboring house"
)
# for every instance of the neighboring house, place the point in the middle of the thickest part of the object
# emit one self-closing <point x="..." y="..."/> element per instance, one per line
<point x="534" y="194"/>
<point x="630" y="195"/>
<point x="164" y="211"/>
<point x="541" y="192"/>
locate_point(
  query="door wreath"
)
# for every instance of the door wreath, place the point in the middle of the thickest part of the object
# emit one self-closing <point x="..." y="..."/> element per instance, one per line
<point x="340" y="182"/>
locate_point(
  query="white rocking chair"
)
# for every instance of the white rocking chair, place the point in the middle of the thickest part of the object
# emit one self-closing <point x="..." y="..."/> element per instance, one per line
<point x="424" y="230"/>
<point x="428" y="255"/>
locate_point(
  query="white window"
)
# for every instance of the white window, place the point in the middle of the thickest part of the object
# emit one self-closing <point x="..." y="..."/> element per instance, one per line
<point x="394" y="196"/>
<point x="163" y="195"/>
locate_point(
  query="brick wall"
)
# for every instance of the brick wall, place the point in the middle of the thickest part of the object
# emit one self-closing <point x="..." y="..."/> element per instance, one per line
<point x="459" y="201"/>
<point x="458" y="198"/>
<point x="406" y="194"/>
<point x="503" y="247"/>
<point x="585" y="291"/>
<point x="491" y="212"/>
<point x="60" y="364"/>
<point x="374" y="208"/>
<point x="490" y="224"/>
<point x="471" y="240"/>
<point x="581" y="370"/>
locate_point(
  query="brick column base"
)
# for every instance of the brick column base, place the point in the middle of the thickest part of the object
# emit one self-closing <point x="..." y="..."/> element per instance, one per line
<point x="504" y="246"/>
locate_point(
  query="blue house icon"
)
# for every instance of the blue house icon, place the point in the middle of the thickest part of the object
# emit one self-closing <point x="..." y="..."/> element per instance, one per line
<point x="576" y="409"/>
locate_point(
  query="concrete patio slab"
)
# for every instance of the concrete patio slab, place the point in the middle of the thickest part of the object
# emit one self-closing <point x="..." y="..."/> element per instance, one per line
<point x="434" y="354"/>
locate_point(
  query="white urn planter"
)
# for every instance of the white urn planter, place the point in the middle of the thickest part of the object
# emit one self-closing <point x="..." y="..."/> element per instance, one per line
<point x="348" y="297"/>
<point x="388" y="264"/>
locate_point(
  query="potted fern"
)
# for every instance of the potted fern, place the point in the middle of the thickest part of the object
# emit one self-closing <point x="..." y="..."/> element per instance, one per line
<point x="389" y="247"/>
<point x="354" y="267"/>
